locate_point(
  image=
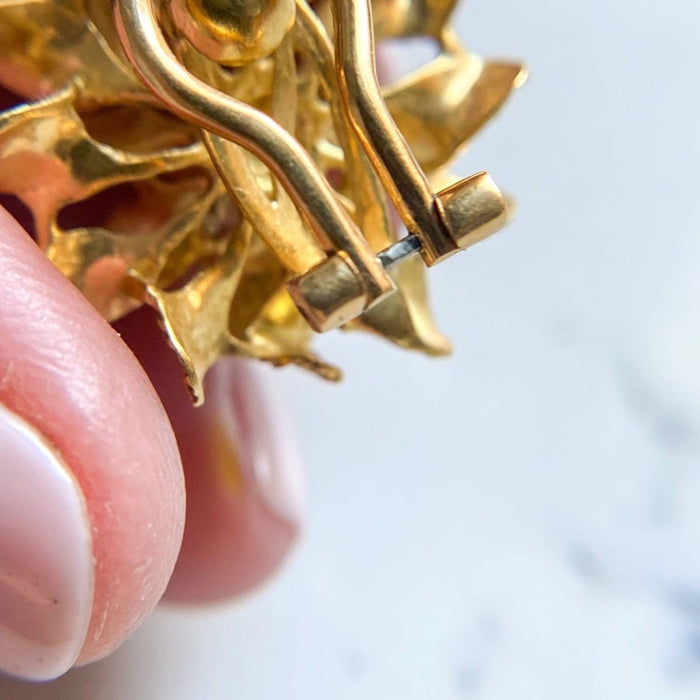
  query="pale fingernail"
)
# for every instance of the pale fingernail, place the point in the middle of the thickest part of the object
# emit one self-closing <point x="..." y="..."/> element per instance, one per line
<point x="46" y="568"/>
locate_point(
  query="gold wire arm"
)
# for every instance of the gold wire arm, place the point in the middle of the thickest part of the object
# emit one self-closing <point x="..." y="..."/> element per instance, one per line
<point x="390" y="155"/>
<point x="444" y="223"/>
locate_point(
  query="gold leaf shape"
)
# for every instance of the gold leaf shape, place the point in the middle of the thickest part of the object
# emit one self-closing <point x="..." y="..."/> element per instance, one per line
<point x="440" y="107"/>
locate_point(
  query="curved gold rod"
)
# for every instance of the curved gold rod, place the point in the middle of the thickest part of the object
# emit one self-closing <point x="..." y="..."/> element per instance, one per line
<point x="199" y="103"/>
<point x="391" y="156"/>
<point x="443" y="222"/>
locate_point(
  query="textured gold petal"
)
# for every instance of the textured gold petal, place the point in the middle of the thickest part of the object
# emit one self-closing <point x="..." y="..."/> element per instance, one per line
<point x="47" y="45"/>
<point x="196" y="316"/>
<point x="440" y="107"/>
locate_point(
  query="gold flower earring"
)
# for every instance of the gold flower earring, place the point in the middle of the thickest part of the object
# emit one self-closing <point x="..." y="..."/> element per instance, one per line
<point x="245" y="164"/>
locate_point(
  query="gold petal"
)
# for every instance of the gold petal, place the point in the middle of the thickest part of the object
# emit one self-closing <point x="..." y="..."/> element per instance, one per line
<point x="398" y="18"/>
<point x="36" y="39"/>
<point x="404" y="318"/>
<point x="196" y="316"/>
<point x="441" y="106"/>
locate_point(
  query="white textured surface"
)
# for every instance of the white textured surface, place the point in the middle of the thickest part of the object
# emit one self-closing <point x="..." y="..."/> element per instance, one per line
<point x="521" y="521"/>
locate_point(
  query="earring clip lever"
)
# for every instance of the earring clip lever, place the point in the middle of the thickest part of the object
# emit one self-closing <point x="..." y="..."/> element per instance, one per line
<point x="352" y="278"/>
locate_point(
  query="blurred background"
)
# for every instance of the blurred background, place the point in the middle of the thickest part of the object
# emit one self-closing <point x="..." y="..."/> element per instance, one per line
<point x="521" y="520"/>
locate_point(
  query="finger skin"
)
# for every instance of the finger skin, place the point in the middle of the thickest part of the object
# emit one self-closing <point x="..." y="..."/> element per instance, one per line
<point x="66" y="372"/>
<point x="245" y="495"/>
<point x="245" y="492"/>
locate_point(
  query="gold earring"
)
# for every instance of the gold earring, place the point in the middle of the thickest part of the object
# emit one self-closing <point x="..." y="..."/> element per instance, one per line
<point x="236" y="164"/>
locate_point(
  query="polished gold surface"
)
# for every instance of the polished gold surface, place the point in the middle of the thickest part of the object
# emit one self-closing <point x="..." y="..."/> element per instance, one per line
<point x="235" y="164"/>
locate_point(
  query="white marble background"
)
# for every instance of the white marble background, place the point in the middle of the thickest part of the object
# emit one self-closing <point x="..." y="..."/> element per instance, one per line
<point x="521" y="521"/>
